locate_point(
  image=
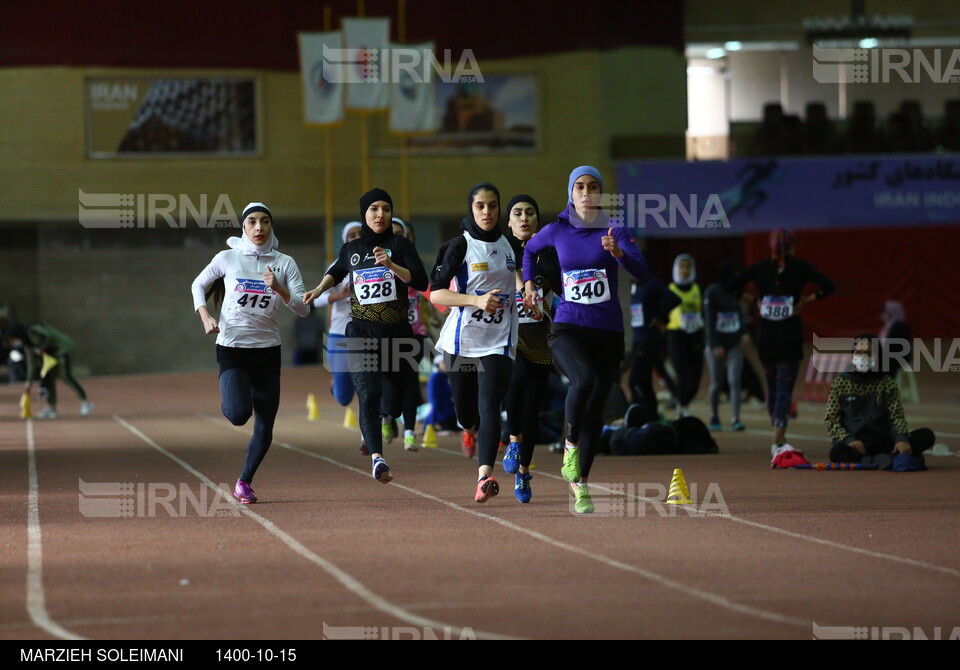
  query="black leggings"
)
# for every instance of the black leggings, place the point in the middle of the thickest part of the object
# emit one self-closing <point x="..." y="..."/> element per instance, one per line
<point x="412" y="393"/>
<point x="479" y="386"/>
<point x="378" y="357"/>
<point x="686" y="356"/>
<point x="243" y="394"/>
<point x="645" y="357"/>
<point x="590" y="359"/>
<point x="528" y="386"/>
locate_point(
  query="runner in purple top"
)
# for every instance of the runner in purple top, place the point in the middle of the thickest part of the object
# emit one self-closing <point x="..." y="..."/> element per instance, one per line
<point x="587" y="336"/>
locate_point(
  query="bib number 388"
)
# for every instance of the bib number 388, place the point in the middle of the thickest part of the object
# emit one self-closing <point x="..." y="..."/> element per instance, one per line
<point x="776" y="307"/>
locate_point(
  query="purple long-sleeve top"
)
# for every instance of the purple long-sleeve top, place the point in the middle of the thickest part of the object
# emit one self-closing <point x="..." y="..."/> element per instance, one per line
<point x="580" y="248"/>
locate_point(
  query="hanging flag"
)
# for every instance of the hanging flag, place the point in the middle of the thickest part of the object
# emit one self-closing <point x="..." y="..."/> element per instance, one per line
<point x="364" y="62"/>
<point x="412" y="89"/>
<point x="322" y="91"/>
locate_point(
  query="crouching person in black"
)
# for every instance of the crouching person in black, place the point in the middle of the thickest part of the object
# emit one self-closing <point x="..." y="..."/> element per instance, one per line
<point x="637" y="437"/>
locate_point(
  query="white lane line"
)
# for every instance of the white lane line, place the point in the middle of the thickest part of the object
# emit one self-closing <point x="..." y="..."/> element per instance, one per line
<point x="36" y="598"/>
<point x="349" y="582"/>
<point x="666" y="582"/>
<point x="761" y="526"/>
<point x="145" y="620"/>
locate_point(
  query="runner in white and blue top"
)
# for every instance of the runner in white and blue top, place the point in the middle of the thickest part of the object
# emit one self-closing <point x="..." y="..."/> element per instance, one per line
<point x="251" y="280"/>
<point x="476" y="276"/>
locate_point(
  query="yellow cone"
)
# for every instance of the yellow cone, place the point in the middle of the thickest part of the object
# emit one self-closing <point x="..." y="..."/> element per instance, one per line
<point x="533" y="466"/>
<point x="350" y="419"/>
<point x="429" y="438"/>
<point x="25" y="406"/>
<point x="49" y="362"/>
<point x="313" y="413"/>
<point x="679" y="493"/>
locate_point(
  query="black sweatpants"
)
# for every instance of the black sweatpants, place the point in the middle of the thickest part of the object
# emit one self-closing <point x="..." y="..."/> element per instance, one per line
<point x="646" y="353"/>
<point x="921" y="439"/>
<point x="378" y="368"/>
<point x="48" y="383"/>
<point x="686" y="356"/>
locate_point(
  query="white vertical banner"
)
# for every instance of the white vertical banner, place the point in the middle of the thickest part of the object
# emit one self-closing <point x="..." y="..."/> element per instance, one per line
<point x="366" y="42"/>
<point x="412" y="88"/>
<point x="322" y="90"/>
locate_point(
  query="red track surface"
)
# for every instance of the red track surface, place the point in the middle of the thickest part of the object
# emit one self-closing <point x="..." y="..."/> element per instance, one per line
<point x="771" y="555"/>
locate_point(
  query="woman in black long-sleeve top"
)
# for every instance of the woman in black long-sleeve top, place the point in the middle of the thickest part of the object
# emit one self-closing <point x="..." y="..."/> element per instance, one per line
<point x="780" y="281"/>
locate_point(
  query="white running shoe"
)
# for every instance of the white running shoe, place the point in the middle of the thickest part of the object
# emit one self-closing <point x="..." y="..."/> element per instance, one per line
<point x="85" y="408"/>
<point x="777" y="449"/>
<point x="47" y="413"/>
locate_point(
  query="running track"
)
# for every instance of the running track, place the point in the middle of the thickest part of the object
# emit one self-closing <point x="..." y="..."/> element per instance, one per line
<point x="329" y="551"/>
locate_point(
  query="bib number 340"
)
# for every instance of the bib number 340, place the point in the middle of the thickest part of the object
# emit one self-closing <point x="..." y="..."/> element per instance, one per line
<point x="586" y="287"/>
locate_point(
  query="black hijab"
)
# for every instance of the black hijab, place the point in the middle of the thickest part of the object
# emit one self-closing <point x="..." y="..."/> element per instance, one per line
<point x="521" y="197"/>
<point x="470" y="225"/>
<point x="366" y="233"/>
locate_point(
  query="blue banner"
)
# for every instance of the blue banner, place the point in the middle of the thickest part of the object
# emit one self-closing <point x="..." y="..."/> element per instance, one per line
<point x="752" y="195"/>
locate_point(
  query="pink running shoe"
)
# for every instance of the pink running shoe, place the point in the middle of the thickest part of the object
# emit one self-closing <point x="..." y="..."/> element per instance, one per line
<point x="469" y="442"/>
<point x="244" y="493"/>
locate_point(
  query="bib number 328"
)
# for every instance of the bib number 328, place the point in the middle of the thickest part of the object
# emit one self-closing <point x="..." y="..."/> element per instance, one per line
<point x="373" y="285"/>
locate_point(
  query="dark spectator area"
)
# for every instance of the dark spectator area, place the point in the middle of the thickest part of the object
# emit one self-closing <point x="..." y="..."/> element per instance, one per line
<point x="908" y="129"/>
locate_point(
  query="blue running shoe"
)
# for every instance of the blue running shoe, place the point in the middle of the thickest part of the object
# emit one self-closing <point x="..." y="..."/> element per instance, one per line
<point x="522" y="488"/>
<point x="381" y="471"/>
<point x="715" y="423"/>
<point x="738" y="426"/>
<point x="511" y="460"/>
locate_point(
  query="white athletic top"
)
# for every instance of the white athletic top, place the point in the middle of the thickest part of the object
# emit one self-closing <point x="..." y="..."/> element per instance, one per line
<point x="469" y="331"/>
<point x="339" y="309"/>
<point x="248" y="316"/>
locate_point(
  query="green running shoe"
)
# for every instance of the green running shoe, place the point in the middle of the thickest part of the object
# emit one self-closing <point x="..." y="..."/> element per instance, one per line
<point x="571" y="465"/>
<point x="583" y="504"/>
